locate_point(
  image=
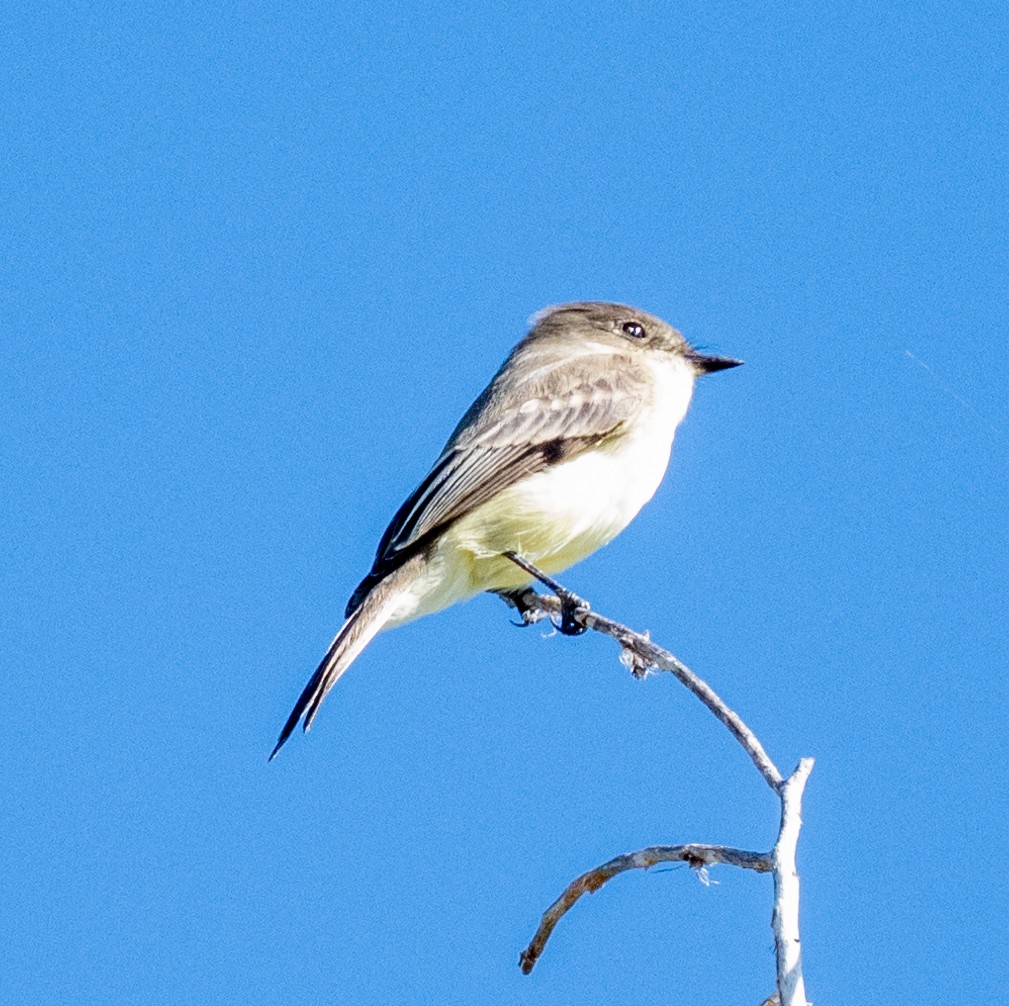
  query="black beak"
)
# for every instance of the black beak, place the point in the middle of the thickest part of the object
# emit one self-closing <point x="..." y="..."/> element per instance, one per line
<point x="709" y="364"/>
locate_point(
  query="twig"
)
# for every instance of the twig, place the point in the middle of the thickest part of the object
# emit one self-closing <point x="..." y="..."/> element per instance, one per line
<point x="695" y="856"/>
<point x="641" y="655"/>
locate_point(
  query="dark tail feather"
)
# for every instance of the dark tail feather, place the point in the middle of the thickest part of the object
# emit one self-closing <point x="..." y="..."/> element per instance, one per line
<point x="324" y="678"/>
<point x="303" y="700"/>
<point x="362" y="625"/>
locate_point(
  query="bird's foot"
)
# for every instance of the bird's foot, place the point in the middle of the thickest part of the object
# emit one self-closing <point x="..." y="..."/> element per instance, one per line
<point x="573" y="607"/>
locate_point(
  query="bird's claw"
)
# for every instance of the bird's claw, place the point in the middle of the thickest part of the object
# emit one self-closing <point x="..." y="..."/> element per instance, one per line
<point x="527" y="618"/>
<point x="529" y="614"/>
<point x="573" y="609"/>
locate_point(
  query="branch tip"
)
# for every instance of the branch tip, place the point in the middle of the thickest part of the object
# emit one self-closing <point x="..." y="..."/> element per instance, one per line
<point x="697" y="857"/>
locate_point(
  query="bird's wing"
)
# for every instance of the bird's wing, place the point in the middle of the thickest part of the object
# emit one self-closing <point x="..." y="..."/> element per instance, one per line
<point x="500" y="442"/>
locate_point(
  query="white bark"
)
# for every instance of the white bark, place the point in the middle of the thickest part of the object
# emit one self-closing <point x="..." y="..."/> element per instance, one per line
<point x="785" y="919"/>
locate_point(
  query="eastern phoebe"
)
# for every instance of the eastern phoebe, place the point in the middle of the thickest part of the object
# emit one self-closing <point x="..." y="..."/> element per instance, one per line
<point x="553" y="460"/>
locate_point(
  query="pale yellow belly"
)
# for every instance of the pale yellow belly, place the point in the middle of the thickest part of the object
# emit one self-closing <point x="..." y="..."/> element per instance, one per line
<point x="554" y="519"/>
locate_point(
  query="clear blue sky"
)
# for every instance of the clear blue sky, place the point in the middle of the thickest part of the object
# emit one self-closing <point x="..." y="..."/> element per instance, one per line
<point x="256" y="265"/>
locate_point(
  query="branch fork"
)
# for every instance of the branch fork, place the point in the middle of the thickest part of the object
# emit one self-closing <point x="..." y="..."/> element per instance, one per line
<point x="642" y="656"/>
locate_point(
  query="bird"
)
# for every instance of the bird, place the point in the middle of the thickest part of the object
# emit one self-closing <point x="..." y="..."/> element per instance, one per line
<point x="556" y="456"/>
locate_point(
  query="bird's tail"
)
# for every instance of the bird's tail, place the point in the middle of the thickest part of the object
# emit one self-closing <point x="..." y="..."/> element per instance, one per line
<point x="364" y="623"/>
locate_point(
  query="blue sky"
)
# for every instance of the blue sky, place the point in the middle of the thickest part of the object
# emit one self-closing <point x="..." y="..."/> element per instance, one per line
<point x="259" y="261"/>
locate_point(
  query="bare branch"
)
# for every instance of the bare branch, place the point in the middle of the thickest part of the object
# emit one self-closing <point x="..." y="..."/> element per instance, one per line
<point x="785" y="920"/>
<point x="697" y="857"/>
<point x="642" y="655"/>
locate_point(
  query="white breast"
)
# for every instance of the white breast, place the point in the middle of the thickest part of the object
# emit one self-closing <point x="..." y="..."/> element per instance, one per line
<point x="589" y="500"/>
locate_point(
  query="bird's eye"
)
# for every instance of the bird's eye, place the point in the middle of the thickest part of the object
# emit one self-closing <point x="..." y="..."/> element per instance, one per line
<point x="633" y="329"/>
